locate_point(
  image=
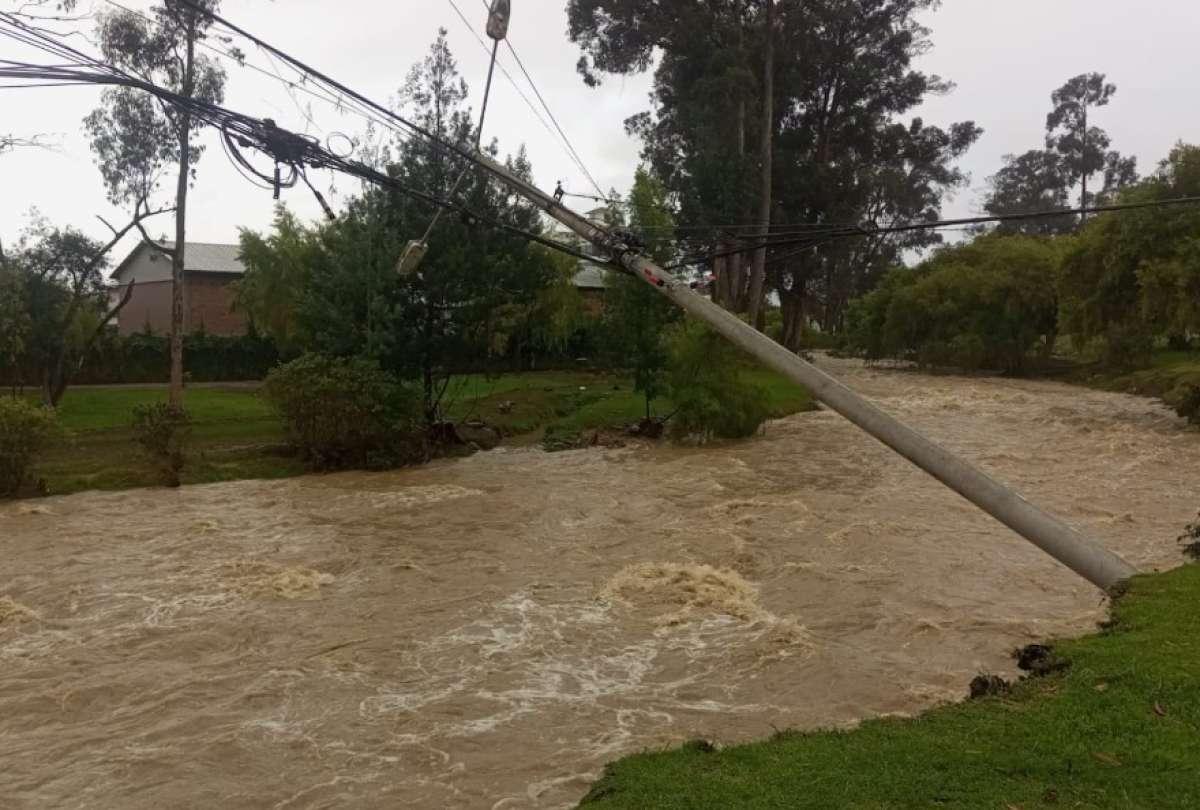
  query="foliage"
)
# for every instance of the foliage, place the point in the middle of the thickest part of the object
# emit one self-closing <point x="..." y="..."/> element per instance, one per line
<point x="142" y="358"/>
<point x="480" y="293"/>
<point x="985" y="305"/>
<point x="24" y="430"/>
<point x="635" y="315"/>
<point x="1081" y="147"/>
<point x="58" y="305"/>
<point x="134" y="136"/>
<point x="162" y="431"/>
<point x="1186" y="401"/>
<point x="15" y="321"/>
<point x="705" y="382"/>
<point x="843" y="152"/>
<point x="1134" y="277"/>
<point x="1033" y="181"/>
<point x="347" y="413"/>
<point x="277" y="274"/>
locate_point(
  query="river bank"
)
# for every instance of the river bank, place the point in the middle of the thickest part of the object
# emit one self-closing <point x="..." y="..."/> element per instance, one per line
<point x="1115" y="728"/>
<point x="234" y="434"/>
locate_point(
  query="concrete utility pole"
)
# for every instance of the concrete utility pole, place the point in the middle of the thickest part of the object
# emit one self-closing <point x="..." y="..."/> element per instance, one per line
<point x="1086" y="557"/>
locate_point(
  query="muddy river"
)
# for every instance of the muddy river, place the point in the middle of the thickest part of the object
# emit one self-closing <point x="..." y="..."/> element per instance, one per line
<point x="488" y="632"/>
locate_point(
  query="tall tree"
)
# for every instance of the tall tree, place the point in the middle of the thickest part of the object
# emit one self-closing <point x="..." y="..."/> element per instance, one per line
<point x="136" y="138"/>
<point x="840" y="153"/>
<point x="68" y="304"/>
<point x="635" y="316"/>
<point x="765" y="153"/>
<point x="1082" y="147"/>
<point x="456" y="311"/>
<point x="1033" y="181"/>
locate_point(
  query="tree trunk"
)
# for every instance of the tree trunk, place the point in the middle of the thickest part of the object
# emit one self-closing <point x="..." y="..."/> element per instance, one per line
<point x="758" y="271"/>
<point x="183" y="134"/>
<point x="1083" y="162"/>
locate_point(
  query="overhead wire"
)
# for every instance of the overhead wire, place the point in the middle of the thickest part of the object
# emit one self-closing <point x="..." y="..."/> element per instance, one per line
<point x="241" y="131"/>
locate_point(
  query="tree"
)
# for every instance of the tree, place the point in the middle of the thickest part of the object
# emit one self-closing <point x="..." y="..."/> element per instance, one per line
<point x="14" y="317"/>
<point x="1033" y="181"/>
<point x="1134" y="277"/>
<point x="841" y="153"/>
<point x="68" y="304"/>
<point x="468" y="300"/>
<point x="277" y="275"/>
<point x="136" y="137"/>
<point x="635" y="316"/>
<point x="989" y="304"/>
<point x="1083" y="148"/>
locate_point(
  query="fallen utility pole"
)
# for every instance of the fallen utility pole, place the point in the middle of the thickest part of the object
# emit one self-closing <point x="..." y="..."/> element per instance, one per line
<point x="1085" y="557"/>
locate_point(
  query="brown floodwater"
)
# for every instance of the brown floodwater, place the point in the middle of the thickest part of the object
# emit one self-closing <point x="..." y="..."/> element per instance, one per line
<point x="488" y="632"/>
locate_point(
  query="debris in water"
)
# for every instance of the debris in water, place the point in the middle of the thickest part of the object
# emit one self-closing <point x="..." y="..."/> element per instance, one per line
<point x="11" y="610"/>
<point x="984" y="685"/>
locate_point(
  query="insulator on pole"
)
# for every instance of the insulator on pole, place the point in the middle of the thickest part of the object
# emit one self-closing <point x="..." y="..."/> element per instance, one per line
<point x="498" y="15"/>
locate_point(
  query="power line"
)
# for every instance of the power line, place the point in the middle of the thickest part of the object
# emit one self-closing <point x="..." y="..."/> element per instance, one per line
<point x="871" y="230"/>
<point x="565" y="144"/>
<point x="240" y="131"/>
<point x="549" y="112"/>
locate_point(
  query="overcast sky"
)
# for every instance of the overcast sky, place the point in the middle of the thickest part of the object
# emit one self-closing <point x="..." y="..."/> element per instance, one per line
<point x="1005" y="58"/>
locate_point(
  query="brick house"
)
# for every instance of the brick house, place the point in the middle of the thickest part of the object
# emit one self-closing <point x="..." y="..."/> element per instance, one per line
<point x="208" y="297"/>
<point x="209" y="271"/>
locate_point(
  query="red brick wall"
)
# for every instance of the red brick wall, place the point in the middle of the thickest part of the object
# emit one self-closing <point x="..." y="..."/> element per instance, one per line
<point x="208" y="299"/>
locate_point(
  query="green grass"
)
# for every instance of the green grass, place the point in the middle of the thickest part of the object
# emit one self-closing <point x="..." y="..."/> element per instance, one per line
<point x="234" y="434"/>
<point x="1119" y="729"/>
<point x="1167" y="370"/>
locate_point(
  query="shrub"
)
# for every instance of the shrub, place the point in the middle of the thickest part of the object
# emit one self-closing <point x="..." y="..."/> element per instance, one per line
<point x="705" y="383"/>
<point x="989" y="304"/>
<point x="346" y="413"/>
<point x="1186" y="401"/>
<point x="24" y="429"/>
<point x="162" y="431"/>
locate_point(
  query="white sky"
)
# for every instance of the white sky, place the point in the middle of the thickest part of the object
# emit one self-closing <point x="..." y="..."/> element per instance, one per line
<point x="1005" y="57"/>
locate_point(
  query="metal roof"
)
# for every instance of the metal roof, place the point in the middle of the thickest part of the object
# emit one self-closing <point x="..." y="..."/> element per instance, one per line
<point x="213" y="257"/>
<point x="199" y="257"/>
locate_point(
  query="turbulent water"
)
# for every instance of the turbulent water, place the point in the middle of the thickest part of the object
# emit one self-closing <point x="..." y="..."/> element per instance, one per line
<point x="488" y="632"/>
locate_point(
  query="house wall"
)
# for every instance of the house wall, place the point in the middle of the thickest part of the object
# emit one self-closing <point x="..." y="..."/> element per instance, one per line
<point x="209" y="305"/>
<point x="148" y="307"/>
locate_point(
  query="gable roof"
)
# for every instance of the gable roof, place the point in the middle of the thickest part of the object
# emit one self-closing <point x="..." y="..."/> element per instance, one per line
<point x="198" y="257"/>
<point x="214" y="257"/>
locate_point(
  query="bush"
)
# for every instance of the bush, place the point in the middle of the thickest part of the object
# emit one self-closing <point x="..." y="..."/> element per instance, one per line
<point x="347" y="413"/>
<point x="705" y="383"/>
<point x="989" y="304"/>
<point x="24" y="429"/>
<point x="162" y="431"/>
<point x="1186" y="401"/>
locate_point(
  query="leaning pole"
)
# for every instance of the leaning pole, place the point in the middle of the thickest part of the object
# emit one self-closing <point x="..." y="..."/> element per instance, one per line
<point x="1082" y="555"/>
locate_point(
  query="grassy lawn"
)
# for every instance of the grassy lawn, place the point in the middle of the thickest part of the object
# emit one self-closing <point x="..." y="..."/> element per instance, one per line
<point x="1119" y="729"/>
<point x="1168" y="370"/>
<point x="234" y="433"/>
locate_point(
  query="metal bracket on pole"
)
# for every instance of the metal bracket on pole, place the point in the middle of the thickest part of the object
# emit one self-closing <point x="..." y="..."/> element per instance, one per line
<point x="1082" y="555"/>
